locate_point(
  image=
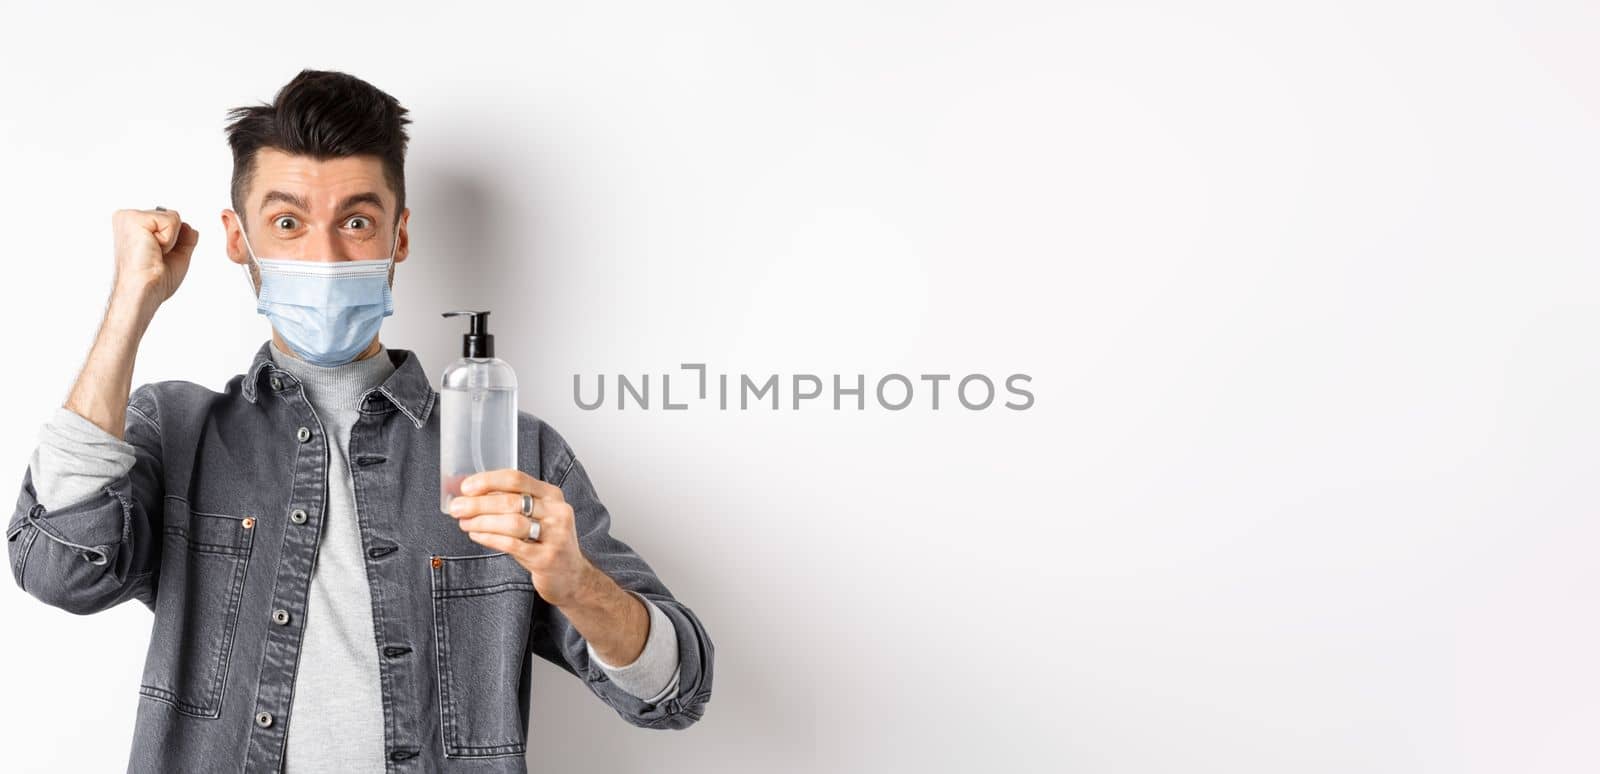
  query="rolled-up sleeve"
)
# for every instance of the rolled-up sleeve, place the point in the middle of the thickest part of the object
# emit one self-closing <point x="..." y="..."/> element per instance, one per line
<point x="682" y="701"/>
<point x="90" y="538"/>
<point x="76" y="459"/>
<point x="653" y="675"/>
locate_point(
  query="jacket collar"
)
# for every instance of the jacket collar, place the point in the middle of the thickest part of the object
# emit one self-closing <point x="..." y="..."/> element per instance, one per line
<point x="407" y="388"/>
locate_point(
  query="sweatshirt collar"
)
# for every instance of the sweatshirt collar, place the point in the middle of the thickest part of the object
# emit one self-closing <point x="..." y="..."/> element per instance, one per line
<point x="408" y="388"/>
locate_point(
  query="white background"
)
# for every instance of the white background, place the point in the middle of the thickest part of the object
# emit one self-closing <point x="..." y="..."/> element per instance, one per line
<point x="1307" y="292"/>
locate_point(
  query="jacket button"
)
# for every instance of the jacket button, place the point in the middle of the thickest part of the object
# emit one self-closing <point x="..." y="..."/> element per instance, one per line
<point x="277" y="384"/>
<point x="263" y="719"/>
<point x="298" y="516"/>
<point x="304" y="434"/>
<point x="280" y="616"/>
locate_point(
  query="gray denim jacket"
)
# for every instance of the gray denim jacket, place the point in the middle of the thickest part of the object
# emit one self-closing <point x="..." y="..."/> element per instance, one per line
<point x="215" y="528"/>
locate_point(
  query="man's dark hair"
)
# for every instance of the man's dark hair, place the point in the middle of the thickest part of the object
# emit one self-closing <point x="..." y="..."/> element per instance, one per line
<point x="323" y="115"/>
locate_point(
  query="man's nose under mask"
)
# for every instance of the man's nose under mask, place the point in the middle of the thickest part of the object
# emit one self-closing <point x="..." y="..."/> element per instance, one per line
<point x="328" y="311"/>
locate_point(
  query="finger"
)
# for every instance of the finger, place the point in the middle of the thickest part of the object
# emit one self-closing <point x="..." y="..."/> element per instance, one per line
<point x="494" y="502"/>
<point x="504" y="543"/>
<point x="509" y="524"/>
<point x="188" y="237"/>
<point x="165" y="225"/>
<point x="555" y="519"/>
<point x="509" y="480"/>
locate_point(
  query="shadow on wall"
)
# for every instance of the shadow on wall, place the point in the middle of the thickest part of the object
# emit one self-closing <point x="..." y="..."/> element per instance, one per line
<point x="473" y="247"/>
<point x="462" y="251"/>
<point x="479" y="242"/>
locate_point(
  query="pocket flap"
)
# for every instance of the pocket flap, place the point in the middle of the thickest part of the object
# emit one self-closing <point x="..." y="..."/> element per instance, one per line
<point x="206" y="531"/>
<point x="479" y="572"/>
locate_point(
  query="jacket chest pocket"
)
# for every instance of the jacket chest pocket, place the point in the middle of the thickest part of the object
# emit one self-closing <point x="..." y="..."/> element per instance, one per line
<point x="204" y="557"/>
<point x="482" y="609"/>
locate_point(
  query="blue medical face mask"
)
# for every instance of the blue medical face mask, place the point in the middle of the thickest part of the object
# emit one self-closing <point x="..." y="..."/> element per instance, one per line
<point x="328" y="311"/>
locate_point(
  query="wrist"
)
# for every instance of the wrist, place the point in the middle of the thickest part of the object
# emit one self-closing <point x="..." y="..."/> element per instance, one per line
<point x="131" y="307"/>
<point x="594" y="589"/>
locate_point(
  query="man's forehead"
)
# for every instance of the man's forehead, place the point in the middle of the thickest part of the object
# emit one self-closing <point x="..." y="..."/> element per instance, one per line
<point x="318" y="184"/>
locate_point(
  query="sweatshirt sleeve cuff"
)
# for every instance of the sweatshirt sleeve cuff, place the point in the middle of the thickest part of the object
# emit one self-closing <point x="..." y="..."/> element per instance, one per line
<point x="75" y="459"/>
<point x="653" y="676"/>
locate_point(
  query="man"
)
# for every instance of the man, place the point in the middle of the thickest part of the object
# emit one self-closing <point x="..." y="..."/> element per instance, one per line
<point x="314" y="609"/>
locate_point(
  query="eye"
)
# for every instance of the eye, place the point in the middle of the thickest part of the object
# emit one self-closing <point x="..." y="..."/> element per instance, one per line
<point x="359" y="221"/>
<point x="285" y="222"/>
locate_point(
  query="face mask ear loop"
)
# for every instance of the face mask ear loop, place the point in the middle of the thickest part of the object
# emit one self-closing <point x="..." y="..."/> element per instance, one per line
<point x="388" y="292"/>
<point x="245" y="266"/>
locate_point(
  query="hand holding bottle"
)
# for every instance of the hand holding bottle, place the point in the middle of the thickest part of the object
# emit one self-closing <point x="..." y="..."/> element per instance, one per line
<point x="491" y="511"/>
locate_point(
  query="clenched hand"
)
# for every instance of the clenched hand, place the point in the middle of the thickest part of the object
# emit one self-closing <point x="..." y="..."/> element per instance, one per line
<point x="490" y="510"/>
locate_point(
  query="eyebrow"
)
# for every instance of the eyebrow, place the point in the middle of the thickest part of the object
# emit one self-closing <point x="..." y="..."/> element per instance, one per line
<point x="368" y="197"/>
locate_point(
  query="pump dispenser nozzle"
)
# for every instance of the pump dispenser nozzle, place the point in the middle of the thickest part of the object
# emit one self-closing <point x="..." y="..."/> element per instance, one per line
<point x="477" y="342"/>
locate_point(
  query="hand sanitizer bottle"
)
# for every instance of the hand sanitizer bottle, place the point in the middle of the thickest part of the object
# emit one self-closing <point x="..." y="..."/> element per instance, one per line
<point x="477" y="411"/>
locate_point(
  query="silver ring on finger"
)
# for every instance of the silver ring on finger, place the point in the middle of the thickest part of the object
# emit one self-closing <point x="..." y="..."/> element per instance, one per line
<point x="527" y="504"/>
<point x="533" y="530"/>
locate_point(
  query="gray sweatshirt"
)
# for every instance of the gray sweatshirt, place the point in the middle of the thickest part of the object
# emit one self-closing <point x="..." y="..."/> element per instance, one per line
<point x="337" y="686"/>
